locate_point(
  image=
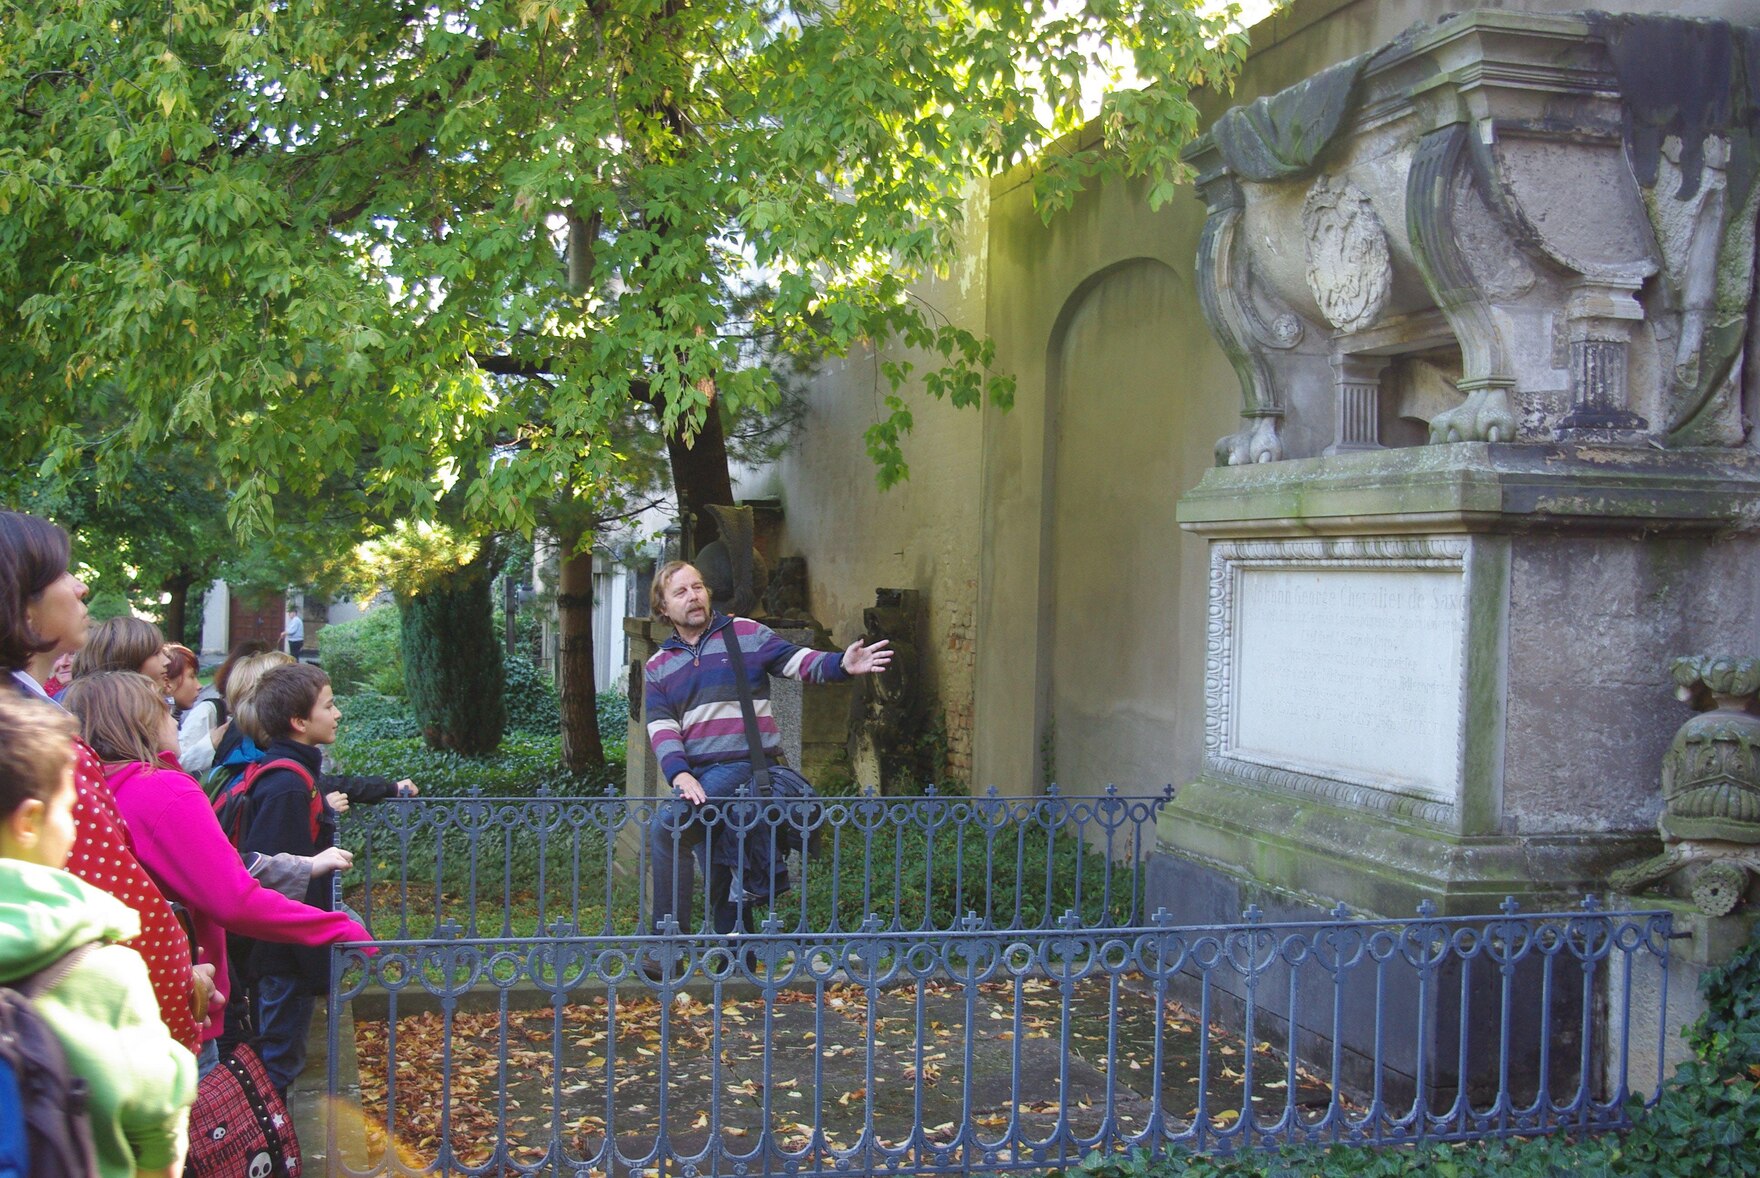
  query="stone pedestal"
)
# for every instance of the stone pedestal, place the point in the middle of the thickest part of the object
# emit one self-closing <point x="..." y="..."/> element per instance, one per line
<point x="641" y="770"/>
<point x="1708" y="941"/>
<point x="1441" y="673"/>
<point x="814" y="718"/>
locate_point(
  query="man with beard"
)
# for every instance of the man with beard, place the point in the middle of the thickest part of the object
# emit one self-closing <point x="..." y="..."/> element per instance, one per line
<point x="697" y="729"/>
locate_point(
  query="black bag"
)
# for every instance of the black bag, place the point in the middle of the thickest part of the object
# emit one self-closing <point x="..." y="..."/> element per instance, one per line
<point x="778" y="784"/>
<point x="53" y="1137"/>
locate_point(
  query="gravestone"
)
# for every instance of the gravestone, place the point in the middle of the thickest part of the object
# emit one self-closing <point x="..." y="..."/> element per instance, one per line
<point x="1494" y="469"/>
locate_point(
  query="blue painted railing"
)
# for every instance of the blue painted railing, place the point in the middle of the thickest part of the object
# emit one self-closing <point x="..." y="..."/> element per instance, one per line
<point x="502" y="866"/>
<point x="903" y="1042"/>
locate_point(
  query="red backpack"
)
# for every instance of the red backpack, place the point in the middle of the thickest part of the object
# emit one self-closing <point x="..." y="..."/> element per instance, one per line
<point x="234" y="808"/>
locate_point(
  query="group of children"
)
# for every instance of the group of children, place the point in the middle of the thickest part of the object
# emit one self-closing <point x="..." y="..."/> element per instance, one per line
<point x="92" y="784"/>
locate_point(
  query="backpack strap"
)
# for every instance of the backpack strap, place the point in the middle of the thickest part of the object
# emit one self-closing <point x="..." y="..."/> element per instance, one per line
<point x="50" y="975"/>
<point x="314" y="800"/>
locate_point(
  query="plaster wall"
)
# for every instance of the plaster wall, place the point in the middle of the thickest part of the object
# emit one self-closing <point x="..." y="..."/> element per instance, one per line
<point x="922" y="534"/>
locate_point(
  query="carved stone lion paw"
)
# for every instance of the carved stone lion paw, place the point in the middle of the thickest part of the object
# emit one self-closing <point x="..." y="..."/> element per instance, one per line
<point x="1485" y="416"/>
<point x="1256" y="441"/>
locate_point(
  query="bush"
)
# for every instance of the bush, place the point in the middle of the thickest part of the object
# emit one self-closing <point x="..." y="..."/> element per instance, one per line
<point x="524" y="764"/>
<point x="531" y="697"/>
<point x="369" y="717"/>
<point x="106" y="605"/>
<point x="613" y="719"/>
<point x="365" y="654"/>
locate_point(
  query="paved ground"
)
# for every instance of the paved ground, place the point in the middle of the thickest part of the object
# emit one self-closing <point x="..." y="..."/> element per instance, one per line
<point x="842" y="1065"/>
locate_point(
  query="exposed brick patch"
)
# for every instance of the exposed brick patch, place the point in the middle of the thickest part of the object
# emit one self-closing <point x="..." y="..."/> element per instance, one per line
<point x="958" y="679"/>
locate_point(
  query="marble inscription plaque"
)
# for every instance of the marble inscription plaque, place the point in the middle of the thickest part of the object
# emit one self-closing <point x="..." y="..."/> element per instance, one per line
<point x="1354" y="672"/>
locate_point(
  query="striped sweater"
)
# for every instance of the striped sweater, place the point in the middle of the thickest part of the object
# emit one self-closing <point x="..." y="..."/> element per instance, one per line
<point x="692" y="702"/>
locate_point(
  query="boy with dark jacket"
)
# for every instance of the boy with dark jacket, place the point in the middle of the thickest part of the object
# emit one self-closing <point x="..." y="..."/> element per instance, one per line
<point x="297" y="712"/>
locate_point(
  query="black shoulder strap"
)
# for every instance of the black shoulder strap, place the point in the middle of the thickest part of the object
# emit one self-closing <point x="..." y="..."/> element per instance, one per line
<point x="50" y="976"/>
<point x="754" y="742"/>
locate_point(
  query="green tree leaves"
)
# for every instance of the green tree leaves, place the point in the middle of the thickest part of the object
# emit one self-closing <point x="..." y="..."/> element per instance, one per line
<point x="312" y="239"/>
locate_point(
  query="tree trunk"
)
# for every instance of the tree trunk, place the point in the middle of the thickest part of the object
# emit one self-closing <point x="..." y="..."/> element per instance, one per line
<point x="452" y="659"/>
<point x="582" y="750"/>
<point x="177" y="608"/>
<point x="699" y="473"/>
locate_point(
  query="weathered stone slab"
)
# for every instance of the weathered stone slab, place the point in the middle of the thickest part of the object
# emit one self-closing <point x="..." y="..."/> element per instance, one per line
<point x="1349" y="670"/>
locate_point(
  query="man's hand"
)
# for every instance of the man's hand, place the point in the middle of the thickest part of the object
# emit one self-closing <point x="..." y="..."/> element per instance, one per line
<point x="690" y="789"/>
<point x="407" y="789"/>
<point x="862" y="659"/>
<point x="338" y="801"/>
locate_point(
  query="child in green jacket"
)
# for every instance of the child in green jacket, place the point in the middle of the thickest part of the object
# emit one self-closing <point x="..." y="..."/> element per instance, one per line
<point x="141" y="1082"/>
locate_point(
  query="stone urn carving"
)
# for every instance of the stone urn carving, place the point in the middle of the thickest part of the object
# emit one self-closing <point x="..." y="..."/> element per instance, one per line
<point x="1710" y="821"/>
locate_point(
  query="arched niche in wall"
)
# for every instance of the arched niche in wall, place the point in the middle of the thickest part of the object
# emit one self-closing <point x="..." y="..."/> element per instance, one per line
<point x="1121" y="444"/>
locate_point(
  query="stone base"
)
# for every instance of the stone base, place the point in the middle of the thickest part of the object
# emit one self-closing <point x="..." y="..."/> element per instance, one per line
<point x="1656" y="1048"/>
<point x="1374" y="863"/>
<point x="1432" y="1042"/>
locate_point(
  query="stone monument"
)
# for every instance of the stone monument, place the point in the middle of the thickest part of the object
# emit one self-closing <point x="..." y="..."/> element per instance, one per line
<point x="1486" y="294"/>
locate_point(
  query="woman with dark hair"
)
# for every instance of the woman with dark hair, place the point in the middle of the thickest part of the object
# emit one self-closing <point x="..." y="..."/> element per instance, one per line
<point x="42" y="605"/>
<point x="42" y="616"/>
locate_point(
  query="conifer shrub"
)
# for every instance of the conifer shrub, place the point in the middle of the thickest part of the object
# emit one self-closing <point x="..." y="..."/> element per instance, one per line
<point x="452" y="661"/>
<point x="531" y="698"/>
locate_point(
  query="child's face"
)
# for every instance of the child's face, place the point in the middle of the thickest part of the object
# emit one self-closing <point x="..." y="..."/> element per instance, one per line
<point x="155" y="667"/>
<point x="320" y="727"/>
<point x="185" y="690"/>
<point x="42" y="832"/>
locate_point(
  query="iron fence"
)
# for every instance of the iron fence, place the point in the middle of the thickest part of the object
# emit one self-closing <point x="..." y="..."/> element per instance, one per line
<point x="513" y="866"/>
<point x="980" y="1046"/>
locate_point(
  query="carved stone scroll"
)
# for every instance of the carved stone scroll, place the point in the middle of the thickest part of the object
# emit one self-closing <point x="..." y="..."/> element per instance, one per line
<point x="1439" y="181"/>
<point x="1226" y="296"/>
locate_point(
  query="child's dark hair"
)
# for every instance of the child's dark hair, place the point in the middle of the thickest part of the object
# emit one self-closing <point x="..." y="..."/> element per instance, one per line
<point x="287" y="694"/>
<point x="36" y="747"/>
<point x="33" y="556"/>
<point x="119" y="714"/>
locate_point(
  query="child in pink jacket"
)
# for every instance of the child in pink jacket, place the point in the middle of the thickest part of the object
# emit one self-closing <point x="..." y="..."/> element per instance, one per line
<point x="179" y="841"/>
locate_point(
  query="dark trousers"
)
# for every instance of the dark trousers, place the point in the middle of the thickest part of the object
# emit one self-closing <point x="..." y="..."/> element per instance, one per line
<point x="678" y="839"/>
